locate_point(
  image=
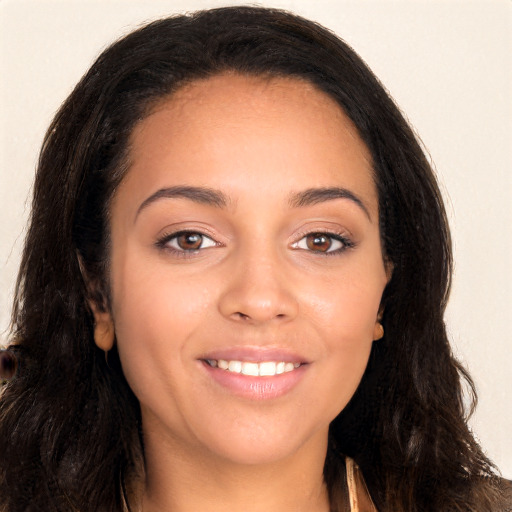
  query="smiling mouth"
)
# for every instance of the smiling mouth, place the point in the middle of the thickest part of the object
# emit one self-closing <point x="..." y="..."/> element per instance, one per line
<point x="263" y="369"/>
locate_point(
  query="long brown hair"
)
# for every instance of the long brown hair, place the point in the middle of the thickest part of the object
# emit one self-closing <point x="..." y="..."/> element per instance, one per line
<point x="69" y="424"/>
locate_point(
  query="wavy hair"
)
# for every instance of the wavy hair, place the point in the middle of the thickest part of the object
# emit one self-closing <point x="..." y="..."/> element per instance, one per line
<point x="70" y="434"/>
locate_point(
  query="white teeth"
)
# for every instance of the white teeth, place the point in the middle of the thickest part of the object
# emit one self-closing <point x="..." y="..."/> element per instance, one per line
<point x="267" y="369"/>
<point x="264" y="369"/>
<point x="288" y="367"/>
<point x="250" y="369"/>
<point x="235" y="366"/>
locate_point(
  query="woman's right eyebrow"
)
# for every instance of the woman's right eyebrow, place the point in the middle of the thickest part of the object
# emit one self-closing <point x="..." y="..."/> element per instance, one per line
<point x="203" y="195"/>
<point x="217" y="198"/>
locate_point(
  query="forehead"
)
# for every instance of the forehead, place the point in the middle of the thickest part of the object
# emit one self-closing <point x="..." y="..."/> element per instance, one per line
<point x="231" y="97"/>
<point x="242" y="130"/>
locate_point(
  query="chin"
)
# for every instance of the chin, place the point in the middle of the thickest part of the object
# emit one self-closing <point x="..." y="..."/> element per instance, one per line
<point x="261" y="445"/>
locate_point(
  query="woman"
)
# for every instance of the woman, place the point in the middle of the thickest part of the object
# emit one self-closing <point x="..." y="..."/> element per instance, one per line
<point x="233" y="287"/>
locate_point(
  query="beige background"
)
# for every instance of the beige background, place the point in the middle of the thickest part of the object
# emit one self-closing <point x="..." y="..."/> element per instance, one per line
<point x="447" y="63"/>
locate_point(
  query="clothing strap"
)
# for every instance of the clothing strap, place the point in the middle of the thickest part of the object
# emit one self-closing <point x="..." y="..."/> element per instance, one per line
<point x="351" y="484"/>
<point x="359" y="497"/>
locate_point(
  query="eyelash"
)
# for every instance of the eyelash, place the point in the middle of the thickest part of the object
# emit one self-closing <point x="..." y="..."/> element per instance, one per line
<point x="163" y="241"/>
<point x="346" y="243"/>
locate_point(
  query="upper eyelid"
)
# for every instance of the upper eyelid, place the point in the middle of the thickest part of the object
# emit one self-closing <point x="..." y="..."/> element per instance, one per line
<point x="346" y="241"/>
<point x="337" y="236"/>
<point x="175" y="234"/>
<point x="299" y="236"/>
<point x="171" y="232"/>
<point x="340" y="235"/>
<point x="162" y="243"/>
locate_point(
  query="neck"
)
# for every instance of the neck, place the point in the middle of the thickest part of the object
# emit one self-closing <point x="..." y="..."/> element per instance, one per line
<point x="182" y="479"/>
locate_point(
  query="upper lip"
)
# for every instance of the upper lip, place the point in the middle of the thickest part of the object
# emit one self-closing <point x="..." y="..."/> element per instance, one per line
<point x="254" y="354"/>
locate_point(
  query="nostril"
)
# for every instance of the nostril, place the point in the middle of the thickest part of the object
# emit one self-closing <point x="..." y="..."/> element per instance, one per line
<point x="247" y="304"/>
<point x="243" y="316"/>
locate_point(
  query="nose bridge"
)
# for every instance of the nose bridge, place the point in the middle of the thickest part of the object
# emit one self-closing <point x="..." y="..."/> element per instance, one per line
<point x="257" y="289"/>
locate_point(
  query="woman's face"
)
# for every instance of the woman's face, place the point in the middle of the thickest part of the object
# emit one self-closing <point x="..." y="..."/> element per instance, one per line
<point x="245" y="235"/>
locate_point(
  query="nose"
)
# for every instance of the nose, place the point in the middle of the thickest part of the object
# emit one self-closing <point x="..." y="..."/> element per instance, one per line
<point x="258" y="291"/>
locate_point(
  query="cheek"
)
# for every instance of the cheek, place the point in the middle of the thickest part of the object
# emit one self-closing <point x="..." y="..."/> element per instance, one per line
<point x="344" y="312"/>
<point x="155" y="312"/>
<point x="346" y="308"/>
<point x="150" y="295"/>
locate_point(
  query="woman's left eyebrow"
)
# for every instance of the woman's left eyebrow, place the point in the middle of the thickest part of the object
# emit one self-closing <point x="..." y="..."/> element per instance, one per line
<point x="213" y="197"/>
<point x="312" y="196"/>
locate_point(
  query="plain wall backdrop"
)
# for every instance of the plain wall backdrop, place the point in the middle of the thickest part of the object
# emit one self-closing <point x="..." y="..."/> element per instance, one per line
<point x="447" y="63"/>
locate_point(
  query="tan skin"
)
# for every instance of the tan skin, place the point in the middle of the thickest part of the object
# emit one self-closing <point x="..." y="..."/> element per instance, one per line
<point x="257" y="272"/>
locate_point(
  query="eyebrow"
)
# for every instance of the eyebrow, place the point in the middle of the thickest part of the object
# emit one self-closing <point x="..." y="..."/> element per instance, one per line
<point x="203" y="195"/>
<point x="218" y="199"/>
<point x="319" y="195"/>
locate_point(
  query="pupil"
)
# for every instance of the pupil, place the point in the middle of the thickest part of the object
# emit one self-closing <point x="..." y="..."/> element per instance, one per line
<point x="318" y="242"/>
<point x="190" y="241"/>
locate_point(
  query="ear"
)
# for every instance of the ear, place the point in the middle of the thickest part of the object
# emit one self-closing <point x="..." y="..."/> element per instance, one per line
<point x="378" y="331"/>
<point x="103" y="323"/>
<point x="103" y="327"/>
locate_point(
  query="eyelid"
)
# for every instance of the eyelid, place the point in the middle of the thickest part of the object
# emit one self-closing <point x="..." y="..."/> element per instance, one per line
<point x="342" y="237"/>
<point x="164" y="239"/>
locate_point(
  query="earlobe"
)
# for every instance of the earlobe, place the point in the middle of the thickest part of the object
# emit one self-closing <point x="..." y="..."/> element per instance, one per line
<point x="378" y="331"/>
<point x="103" y="328"/>
<point x="104" y="335"/>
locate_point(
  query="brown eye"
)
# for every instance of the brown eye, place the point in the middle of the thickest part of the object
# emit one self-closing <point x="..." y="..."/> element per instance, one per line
<point x="318" y="242"/>
<point x="323" y="243"/>
<point x="189" y="241"/>
<point x="186" y="241"/>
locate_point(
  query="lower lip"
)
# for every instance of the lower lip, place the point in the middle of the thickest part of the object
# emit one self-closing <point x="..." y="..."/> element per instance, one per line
<point x="256" y="388"/>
